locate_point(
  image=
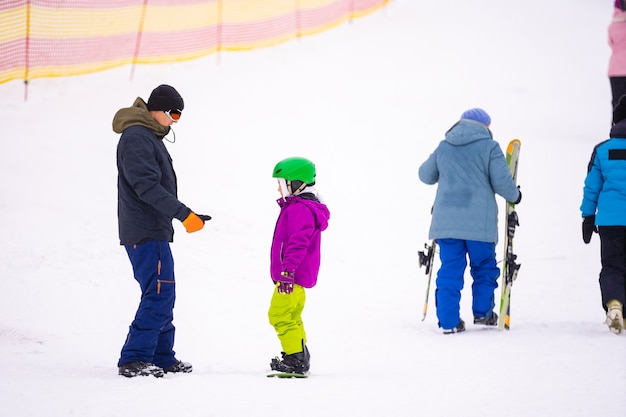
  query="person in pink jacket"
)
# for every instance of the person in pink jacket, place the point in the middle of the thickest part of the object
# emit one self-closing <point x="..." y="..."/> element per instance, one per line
<point x="295" y="259"/>
<point x="617" y="42"/>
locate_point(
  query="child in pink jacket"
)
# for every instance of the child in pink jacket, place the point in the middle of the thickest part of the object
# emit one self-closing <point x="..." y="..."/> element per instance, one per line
<point x="295" y="259"/>
<point x="617" y="61"/>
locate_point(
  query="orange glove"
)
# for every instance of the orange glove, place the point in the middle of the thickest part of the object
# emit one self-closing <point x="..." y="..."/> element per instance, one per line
<point x="193" y="223"/>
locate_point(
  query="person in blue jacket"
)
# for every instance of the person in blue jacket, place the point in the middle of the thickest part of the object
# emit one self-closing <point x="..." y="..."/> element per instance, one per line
<point x="147" y="203"/>
<point x="604" y="211"/>
<point x="469" y="168"/>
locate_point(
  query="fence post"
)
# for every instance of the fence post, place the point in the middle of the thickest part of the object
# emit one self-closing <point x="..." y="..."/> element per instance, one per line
<point x="298" y="19"/>
<point x="27" y="51"/>
<point x="218" y="28"/>
<point x="142" y="18"/>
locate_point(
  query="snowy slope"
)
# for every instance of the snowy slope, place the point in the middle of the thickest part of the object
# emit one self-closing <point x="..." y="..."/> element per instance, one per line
<point x="367" y="101"/>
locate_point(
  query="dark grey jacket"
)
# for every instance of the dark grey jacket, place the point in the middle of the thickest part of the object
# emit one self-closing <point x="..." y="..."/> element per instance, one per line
<point x="147" y="190"/>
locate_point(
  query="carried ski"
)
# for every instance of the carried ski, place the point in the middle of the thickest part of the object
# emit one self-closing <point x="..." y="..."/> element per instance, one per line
<point x="286" y="375"/>
<point x="426" y="258"/>
<point x="509" y="264"/>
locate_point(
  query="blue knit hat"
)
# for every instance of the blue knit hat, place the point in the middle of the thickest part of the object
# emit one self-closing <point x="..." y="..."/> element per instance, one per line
<point x="477" y="115"/>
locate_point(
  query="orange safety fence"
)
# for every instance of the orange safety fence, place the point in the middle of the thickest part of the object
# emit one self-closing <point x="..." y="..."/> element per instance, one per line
<point x="53" y="38"/>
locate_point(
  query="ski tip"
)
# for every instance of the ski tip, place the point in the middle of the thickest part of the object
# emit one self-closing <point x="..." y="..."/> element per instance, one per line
<point x="512" y="144"/>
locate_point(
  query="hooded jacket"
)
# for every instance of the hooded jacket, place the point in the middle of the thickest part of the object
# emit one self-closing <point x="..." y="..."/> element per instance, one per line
<point x="604" y="194"/>
<point x="146" y="182"/>
<point x="297" y="238"/>
<point x="469" y="167"/>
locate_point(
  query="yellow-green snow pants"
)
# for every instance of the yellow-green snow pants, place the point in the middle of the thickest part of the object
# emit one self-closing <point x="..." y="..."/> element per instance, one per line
<point x="285" y="314"/>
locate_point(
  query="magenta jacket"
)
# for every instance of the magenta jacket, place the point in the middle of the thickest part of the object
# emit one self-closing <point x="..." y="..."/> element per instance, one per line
<point x="617" y="42"/>
<point x="297" y="237"/>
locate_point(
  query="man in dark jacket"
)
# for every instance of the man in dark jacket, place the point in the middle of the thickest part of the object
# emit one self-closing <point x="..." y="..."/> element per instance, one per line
<point x="147" y="203"/>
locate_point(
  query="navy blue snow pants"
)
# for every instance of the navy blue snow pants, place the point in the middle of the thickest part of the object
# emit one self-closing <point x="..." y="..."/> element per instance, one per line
<point x="613" y="273"/>
<point x="151" y="335"/>
<point x="484" y="270"/>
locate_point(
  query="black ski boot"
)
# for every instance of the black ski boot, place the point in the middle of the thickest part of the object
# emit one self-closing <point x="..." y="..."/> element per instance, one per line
<point x="458" y="329"/>
<point x="179" y="366"/>
<point x="491" y="320"/>
<point x="130" y="370"/>
<point x="295" y="363"/>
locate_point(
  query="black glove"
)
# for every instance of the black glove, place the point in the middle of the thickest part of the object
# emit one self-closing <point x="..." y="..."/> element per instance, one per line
<point x="589" y="226"/>
<point x="520" y="196"/>
<point x="204" y="217"/>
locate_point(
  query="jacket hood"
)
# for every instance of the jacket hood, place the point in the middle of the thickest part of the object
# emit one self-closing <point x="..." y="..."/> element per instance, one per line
<point x="319" y="210"/>
<point x="467" y="131"/>
<point x="618" y="130"/>
<point x="138" y="114"/>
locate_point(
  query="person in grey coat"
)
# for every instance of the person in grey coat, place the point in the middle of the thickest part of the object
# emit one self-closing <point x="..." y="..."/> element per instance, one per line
<point x="469" y="168"/>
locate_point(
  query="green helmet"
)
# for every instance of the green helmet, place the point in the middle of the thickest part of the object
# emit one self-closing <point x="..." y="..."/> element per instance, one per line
<point x="295" y="169"/>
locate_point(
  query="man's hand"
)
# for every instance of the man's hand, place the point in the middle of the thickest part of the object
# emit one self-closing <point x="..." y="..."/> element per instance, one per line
<point x="195" y="222"/>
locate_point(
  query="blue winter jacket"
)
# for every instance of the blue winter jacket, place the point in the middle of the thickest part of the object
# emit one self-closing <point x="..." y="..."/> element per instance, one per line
<point x="147" y="189"/>
<point x="604" y="193"/>
<point x="469" y="167"/>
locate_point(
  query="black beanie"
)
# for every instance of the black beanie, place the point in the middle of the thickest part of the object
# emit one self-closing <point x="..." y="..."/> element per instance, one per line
<point x="619" y="112"/>
<point x="165" y="97"/>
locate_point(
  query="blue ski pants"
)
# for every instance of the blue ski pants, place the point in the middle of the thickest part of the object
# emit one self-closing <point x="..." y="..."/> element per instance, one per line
<point x="151" y="335"/>
<point x="483" y="269"/>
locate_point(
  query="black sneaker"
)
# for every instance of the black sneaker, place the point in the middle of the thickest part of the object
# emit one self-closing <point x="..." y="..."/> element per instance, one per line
<point x="179" y="366"/>
<point x="487" y="321"/>
<point x="458" y="329"/>
<point x="133" y="369"/>
<point x="296" y="363"/>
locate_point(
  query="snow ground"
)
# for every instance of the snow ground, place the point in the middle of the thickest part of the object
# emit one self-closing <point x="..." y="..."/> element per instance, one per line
<point x="367" y="101"/>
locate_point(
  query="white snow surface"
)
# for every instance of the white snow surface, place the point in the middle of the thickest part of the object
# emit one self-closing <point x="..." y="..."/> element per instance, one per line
<point x="367" y="101"/>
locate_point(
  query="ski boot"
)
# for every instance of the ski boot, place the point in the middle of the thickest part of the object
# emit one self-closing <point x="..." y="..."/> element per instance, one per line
<point x="458" y="329"/>
<point x="133" y="369"/>
<point x="614" y="316"/>
<point x="491" y="320"/>
<point x="295" y="363"/>
<point x="179" y="366"/>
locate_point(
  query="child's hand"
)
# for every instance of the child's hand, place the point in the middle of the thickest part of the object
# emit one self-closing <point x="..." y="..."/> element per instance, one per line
<point x="285" y="285"/>
<point x="589" y="227"/>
